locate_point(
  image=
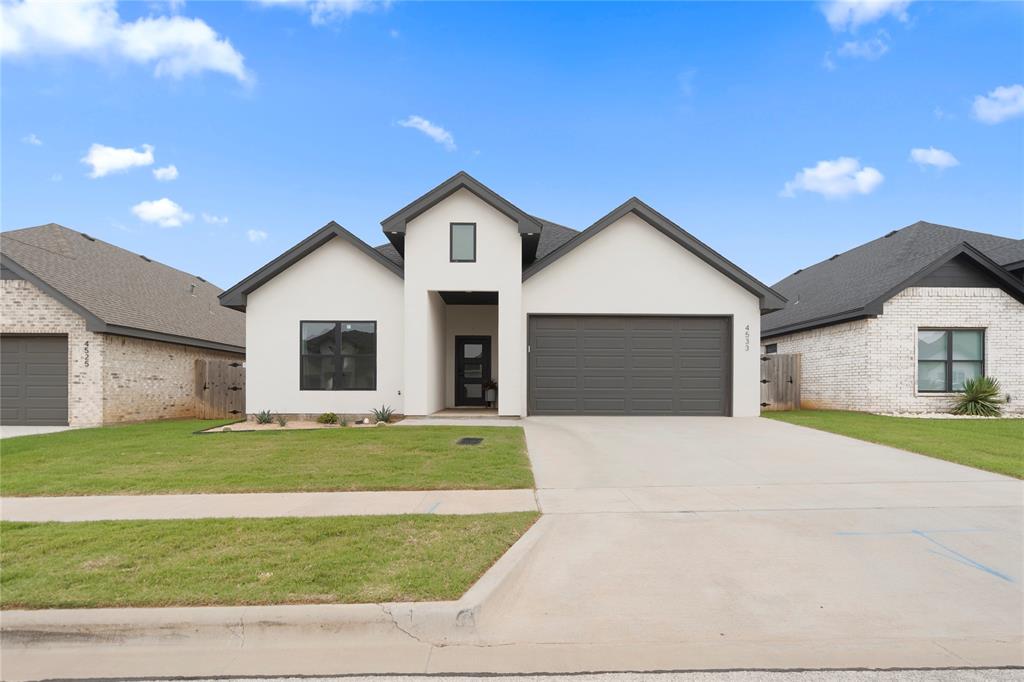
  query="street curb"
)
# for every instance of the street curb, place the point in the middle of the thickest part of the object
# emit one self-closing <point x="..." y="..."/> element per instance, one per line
<point x="425" y="622"/>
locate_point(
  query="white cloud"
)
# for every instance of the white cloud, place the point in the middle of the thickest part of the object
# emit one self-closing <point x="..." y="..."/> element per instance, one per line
<point x="865" y="49"/>
<point x="105" y="160"/>
<point x="256" y="235"/>
<point x="1005" y="102"/>
<point x="32" y="139"/>
<point x="56" y="177"/>
<point x="163" y="212"/>
<point x="848" y="15"/>
<point x="835" y="179"/>
<point x="214" y="219"/>
<point x="943" y="115"/>
<point x="166" y="174"/>
<point x="325" y="11"/>
<point x="175" y="46"/>
<point x="939" y="158"/>
<point x="434" y="132"/>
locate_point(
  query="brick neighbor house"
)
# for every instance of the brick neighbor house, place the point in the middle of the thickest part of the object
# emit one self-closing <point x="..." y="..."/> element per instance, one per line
<point x="93" y="334"/>
<point x="896" y="325"/>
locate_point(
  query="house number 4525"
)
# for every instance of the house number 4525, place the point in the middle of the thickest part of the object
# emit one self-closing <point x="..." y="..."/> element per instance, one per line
<point x="746" y="338"/>
<point x="85" y="355"/>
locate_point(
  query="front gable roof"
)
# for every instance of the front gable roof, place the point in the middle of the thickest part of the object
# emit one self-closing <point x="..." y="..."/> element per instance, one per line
<point x="857" y="283"/>
<point x="529" y="227"/>
<point x="235" y="297"/>
<point x="769" y="299"/>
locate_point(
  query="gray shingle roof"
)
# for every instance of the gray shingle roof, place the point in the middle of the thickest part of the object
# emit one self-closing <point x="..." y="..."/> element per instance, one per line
<point x="124" y="289"/>
<point x="851" y="280"/>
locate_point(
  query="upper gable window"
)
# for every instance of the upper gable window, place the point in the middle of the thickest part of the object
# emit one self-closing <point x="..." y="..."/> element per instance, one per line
<point x="463" y="243"/>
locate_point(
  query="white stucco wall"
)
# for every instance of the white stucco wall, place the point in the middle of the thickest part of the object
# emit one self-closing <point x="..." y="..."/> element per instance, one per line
<point x="469" y="320"/>
<point x="498" y="267"/>
<point x="335" y="282"/>
<point x="871" y="365"/>
<point x="630" y="268"/>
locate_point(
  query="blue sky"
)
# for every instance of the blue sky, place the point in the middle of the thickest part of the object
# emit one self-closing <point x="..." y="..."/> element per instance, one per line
<point x="281" y="116"/>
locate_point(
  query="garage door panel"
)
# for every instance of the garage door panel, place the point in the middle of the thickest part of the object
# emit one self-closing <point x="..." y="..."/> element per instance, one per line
<point x="34" y="380"/>
<point x="629" y="365"/>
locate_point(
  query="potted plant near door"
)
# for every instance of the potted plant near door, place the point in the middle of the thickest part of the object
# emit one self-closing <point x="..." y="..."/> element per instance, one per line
<point x="490" y="392"/>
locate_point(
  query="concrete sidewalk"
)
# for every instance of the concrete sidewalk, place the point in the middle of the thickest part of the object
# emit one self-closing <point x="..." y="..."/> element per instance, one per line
<point x="265" y="505"/>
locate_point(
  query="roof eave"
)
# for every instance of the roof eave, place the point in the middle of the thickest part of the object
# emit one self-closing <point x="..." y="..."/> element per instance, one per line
<point x="96" y="325"/>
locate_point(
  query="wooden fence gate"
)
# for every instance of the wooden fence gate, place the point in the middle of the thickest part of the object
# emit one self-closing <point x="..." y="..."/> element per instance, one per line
<point x="780" y="382"/>
<point x="220" y="389"/>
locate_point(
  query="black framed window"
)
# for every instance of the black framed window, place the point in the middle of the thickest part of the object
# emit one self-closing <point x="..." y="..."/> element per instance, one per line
<point x="338" y="356"/>
<point x="463" y="243"/>
<point x="948" y="357"/>
<point x="771" y="348"/>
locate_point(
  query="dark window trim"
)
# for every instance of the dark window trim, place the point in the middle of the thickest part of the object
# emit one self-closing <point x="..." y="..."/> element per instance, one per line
<point x="338" y="354"/>
<point x="771" y="348"/>
<point x="948" y="388"/>
<point x="451" y="243"/>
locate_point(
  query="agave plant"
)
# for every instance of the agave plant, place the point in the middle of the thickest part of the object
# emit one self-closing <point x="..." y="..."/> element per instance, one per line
<point x="382" y="413"/>
<point x="980" y="398"/>
<point x="264" y="417"/>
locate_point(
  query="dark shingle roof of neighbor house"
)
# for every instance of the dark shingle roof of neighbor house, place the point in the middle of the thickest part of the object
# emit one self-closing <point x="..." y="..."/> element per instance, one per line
<point x="855" y="283"/>
<point x="121" y="292"/>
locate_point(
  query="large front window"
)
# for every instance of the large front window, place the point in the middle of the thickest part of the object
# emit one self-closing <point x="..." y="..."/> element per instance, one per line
<point x="338" y="356"/>
<point x="948" y="357"/>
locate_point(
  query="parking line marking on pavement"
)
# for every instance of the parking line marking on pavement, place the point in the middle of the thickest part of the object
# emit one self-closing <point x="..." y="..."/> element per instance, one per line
<point x="947" y="551"/>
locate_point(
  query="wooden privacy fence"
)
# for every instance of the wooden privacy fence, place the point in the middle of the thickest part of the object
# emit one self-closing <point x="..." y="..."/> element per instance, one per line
<point x="220" y="389"/>
<point x="780" y="382"/>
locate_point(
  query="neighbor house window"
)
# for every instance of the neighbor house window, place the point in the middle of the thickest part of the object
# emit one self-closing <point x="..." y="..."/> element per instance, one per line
<point x="948" y="357"/>
<point x="463" y="246"/>
<point x="338" y="356"/>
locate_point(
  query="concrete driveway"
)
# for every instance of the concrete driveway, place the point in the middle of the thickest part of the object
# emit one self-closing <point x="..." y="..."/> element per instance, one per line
<point x="700" y="543"/>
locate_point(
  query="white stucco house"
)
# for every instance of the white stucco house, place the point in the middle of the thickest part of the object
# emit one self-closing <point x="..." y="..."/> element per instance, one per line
<point x="897" y="324"/>
<point x="632" y="315"/>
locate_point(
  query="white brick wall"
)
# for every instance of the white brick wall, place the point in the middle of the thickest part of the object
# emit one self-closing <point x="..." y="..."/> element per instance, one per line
<point x="871" y="365"/>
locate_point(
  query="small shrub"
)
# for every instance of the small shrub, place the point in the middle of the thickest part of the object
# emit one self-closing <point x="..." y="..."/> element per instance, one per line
<point x="264" y="417"/>
<point x="980" y="398"/>
<point x="383" y="413"/>
<point x="282" y="420"/>
<point x="327" y="418"/>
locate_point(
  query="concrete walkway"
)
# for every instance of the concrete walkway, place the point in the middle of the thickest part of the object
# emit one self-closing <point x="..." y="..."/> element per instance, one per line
<point x="264" y="505"/>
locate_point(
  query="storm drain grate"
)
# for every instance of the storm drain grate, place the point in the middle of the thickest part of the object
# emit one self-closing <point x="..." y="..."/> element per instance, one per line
<point x="472" y="440"/>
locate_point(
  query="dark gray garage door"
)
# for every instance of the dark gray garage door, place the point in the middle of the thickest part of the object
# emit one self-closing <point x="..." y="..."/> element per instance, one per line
<point x="629" y="365"/>
<point x="33" y="380"/>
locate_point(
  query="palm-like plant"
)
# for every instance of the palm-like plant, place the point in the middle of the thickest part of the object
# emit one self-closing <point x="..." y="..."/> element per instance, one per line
<point x="980" y="398"/>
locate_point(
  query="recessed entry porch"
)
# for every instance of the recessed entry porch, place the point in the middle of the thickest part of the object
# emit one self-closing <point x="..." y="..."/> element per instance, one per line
<point x="470" y="351"/>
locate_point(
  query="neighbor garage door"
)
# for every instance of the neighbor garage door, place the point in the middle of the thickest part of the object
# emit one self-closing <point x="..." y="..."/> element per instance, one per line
<point x="33" y="380"/>
<point x="629" y="365"/>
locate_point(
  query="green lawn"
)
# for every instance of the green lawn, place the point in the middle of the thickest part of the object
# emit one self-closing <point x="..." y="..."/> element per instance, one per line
<point x="345" y="559"/>
<point x="995" y="445"/>
<point x="168" y="457"/>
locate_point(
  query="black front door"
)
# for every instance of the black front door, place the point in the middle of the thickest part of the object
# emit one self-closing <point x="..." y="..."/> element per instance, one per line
<point x="472" y="369"/>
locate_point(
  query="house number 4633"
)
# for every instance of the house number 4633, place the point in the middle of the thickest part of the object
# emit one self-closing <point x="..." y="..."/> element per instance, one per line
<point x="746" y="337"/>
